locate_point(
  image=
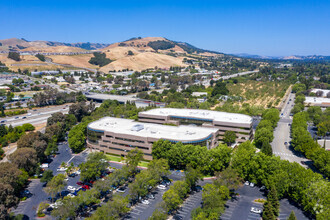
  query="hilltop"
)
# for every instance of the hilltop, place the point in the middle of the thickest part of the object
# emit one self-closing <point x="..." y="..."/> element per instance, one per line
<point x="134" y="54"/>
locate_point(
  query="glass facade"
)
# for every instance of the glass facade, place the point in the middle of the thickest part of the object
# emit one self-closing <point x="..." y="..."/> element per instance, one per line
<point x="93" y="136"/>
<point x="188" y="121"/>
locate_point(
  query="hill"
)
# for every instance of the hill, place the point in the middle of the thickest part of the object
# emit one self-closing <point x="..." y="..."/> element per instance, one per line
<point x="135" y="53"/>
<point x="15" y="44"/>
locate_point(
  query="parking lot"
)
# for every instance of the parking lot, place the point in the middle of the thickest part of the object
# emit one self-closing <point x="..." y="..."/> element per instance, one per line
<point x="239" y="208"/>
<point x="29" y="206"/>
<point x="144" y="211"/>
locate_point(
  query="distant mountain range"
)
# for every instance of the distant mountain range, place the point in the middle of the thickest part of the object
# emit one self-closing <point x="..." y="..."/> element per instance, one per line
<point x="293" y="57"/>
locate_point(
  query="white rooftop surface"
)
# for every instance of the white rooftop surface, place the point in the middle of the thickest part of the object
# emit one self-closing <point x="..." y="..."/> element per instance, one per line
<point x="124" y="126"/>
<point x="316" y="100"/>
<point x="201" y="114"/>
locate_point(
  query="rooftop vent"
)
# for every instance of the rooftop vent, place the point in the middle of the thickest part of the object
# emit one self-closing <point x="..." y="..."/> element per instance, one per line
<point x="137" y="127"/>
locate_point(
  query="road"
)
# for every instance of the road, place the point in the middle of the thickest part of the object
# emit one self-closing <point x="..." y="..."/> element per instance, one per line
<point x="37" y="116"/>
<point x="282" y="135"/>
<point x="207" y="82"/>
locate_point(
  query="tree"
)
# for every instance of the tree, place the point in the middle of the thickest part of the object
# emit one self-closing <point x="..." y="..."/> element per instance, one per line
<point x="77" y="142"/>
<point x="229" y="178"/>
<point x="28" y="127"/>
<point x="14" y="56"/>
<point x="229" y="137"/>
<point x="323" y="128"/>
<point x="47" y="176"/>
<point x="158" y="214"/>
<point x="25" y="158"/>
<point x="41" y="57"/>
<point x="292" y="216"/>
<point x="272" y="198"/>
<point x="55" y="185"/>
<point x="96" y="163"/>
<point x="79" y="110"/>
<point x="182" y="188"/>
<point x="192" y="176"/>
<point x="112" y="210"/>
<point x="268" y="213"/>
<point x="266" y="148"/>
<point x="171" y="199"/>
<point x="133" y="158"/>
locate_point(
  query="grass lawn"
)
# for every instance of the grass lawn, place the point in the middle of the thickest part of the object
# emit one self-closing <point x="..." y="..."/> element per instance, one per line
<point x="119" y="159"/>
<point x="143" y="164"/>
<point x="113" y="158"/>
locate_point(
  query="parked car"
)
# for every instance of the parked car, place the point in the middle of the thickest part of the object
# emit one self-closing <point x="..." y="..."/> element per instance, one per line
<point x="161" y="187"/>
<point x="252" y="184"/>
<point x="121" y="189"/>
<point x="71" y="195"/>
<point x="71" y="188"/>
<point x="61" y="169"/>
<point x="256" y="210"/>
<point x="247" y="183"/>
<point x="146" y="202"/>
<point x="79" y="183"/>
<point x="86" y="187"/>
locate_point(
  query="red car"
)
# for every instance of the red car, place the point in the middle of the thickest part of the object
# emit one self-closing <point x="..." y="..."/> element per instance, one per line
<point x="80" y="183"/>
<point x="92" y="182"/>
<point x="86" y="187"/>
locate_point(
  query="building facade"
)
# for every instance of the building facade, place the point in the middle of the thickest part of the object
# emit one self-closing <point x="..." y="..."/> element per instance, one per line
<point x="119" y="136"/>
<point x="222" y="121"/>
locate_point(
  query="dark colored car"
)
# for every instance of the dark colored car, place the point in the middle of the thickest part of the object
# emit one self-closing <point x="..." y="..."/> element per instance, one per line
<point x="80" y="183"/>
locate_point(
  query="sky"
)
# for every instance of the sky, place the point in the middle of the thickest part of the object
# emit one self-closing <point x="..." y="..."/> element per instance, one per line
<point x="268" y="27"/>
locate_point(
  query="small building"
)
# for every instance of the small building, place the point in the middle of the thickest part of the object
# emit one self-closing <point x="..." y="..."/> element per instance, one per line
<point x="317" y="101"/>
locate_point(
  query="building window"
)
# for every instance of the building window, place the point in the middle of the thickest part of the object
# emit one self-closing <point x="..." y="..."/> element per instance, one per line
<point x="93" y="136"/>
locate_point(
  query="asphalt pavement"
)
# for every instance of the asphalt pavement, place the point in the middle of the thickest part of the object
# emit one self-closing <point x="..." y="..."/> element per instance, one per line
<point x="281" y="144"/>
<point x="239" y="208"/>
<point x="29" y="207"/>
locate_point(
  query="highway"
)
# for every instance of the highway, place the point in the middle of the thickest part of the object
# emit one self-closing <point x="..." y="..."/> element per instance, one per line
<point x="282" y="135"/>
<point x="36" y="116"/>
<point x="207" y="82"/>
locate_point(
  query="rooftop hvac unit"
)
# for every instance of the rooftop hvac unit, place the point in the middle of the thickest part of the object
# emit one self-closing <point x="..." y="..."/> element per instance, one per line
<point x="137" y="127"/>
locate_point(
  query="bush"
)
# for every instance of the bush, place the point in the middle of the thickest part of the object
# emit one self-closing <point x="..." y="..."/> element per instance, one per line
<point x="99" y="59"/>
<point x="14" y="56"/>
<point x="161" y="45"/>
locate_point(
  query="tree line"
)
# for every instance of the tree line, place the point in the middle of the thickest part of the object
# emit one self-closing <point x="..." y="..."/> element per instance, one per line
<point x="265" y="129"/>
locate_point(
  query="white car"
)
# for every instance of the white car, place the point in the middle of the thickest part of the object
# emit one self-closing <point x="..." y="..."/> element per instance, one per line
<point x="256" y="210"/>
<point x="252" y="184"/>
<point x="146" y="202"/>
<point x="61" y="169"/>
<point x="71" y="188"/>
<point x="71" y="195"/>
<point x="78" y="172"/>
<point x="161" y="187"/>
<point x="247" y="183"/>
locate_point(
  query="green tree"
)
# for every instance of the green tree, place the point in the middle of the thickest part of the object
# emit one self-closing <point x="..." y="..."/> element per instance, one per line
<point x="229" y="178"/>
<point x="268" y="213"/>
<point x="292" y="216"/>
<point x="112" y="210"/>
<point x="25" y="158"/>
<point x="192" y="176"/>
<point x="55" y="185"/>
<point x="272" y="198"/>
<point x="96" y="163"/>
<point x="266" y="148"/>
<point x="14" y="56"/>
<point x="133" y="158"/>
<point x="229" y="137"/>
<point x="47" y="176"/>
<point x="172" y="199"/>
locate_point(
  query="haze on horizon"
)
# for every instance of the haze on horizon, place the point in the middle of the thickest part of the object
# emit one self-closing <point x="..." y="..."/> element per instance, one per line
<point x="273" y="28"/>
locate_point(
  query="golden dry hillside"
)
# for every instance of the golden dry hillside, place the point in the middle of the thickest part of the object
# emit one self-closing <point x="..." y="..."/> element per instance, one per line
<point x="143" y="61"/>
<point x="140" y="44"/>
<point x="56" y="49"/>
<point x="80" y="60"/>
